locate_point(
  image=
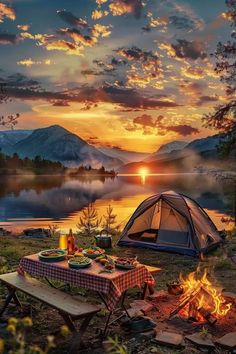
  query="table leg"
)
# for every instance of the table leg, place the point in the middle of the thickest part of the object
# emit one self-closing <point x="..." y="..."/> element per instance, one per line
<point x="8" y="300"/>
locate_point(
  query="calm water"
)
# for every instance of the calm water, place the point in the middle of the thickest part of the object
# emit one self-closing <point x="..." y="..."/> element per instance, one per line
<point x="30" y="201"/>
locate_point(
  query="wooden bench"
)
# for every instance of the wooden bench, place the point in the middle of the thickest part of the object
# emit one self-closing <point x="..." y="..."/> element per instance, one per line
<point x="68" y="307"/>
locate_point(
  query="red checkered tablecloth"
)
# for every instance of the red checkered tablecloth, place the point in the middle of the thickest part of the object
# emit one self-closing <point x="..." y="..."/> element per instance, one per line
<point x="111" y="285"/>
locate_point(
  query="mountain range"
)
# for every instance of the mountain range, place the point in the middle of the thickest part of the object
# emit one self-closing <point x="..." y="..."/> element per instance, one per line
<point x="58" y="144"/>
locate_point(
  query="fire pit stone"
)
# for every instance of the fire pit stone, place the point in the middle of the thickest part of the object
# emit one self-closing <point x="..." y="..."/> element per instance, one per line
<point x="141" y="305"/>
<point x="229" y="295"/>
<point x="158" y="295"/>
<point x="200" y="341"/>
<point x="227" y="341"/>
<point x="169" y="339"/>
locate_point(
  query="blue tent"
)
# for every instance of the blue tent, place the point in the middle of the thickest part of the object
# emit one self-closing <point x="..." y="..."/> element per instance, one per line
<point x="173" y="222"/>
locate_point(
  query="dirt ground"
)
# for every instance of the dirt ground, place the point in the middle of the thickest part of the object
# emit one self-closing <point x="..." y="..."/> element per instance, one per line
<point x="47" y="321"/>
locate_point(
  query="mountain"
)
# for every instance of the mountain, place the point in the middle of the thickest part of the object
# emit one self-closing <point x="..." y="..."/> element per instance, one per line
<point x="9" y="138"/>
<point x="58" y="144"/>
<point x="167" y="148"/>
<point x="124" y="155"/>
<point x="197" y="152"/>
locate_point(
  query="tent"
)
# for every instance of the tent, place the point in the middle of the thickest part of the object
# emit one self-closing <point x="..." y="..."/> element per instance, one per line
<point x="173" y="222"/>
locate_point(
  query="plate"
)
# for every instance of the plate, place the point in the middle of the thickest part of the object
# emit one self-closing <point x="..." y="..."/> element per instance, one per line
<point x="75" y="265"/>
<point x="94" y="255"/>
<point x="46" y="257"/>
<point x="123" y="266"/>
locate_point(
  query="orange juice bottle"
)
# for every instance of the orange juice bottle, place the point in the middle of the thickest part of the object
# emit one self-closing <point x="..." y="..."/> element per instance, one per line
<point x="70" y="243"/>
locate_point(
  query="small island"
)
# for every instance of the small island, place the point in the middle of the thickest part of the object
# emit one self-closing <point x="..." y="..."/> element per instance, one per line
<point x="14" y="165"/>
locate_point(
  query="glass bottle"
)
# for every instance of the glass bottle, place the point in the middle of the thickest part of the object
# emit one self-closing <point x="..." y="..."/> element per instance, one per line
<point x="70" y="243"/>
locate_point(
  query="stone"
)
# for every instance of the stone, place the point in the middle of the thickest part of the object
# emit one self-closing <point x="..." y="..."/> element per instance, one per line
<point x="227" y="341"/>
<point x="200" y="341"/>
<point x="141" y="305"/>
<point x="229" y="296"/>
<point x="147" y="335"/>
<point x="169" y="339"/>
<point x="158" y="295"/>
<point x="133" y="312"/>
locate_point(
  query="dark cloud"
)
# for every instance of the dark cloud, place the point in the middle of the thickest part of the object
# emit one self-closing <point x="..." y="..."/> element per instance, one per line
<point x="61" y="103"/>
<point x="147" y="120"/>
<point x="135" y="53"/>
<point x="19" y="86"/>
<point x="77" y="36"/>
<point x="8" y="38"/>
<point x="189" y="49"/>
<point x="206" y="99"/>
<point x="72" y="20"/>
<point x="183" y="129"/>
<point x="182" y="22"/>
<point x="91" y="72"/>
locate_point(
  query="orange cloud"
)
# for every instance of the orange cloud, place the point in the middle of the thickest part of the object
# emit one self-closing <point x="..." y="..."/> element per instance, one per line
<point x="97" y="14"/>
<point x="23" y="27"/>
<point x="6" y="11"/>
<point x="29" y="62"/>
<point x="101" y="30"/>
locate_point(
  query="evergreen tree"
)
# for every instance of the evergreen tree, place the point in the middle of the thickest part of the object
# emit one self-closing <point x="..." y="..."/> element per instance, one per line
<point x="224" y="116"/>
<point x="109" y="221"/>
<point x="89" y="221"/>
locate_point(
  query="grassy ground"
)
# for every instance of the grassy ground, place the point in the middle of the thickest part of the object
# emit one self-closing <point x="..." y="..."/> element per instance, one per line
<point x="14" y="248"/>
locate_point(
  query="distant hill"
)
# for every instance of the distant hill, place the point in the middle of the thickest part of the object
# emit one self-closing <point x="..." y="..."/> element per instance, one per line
<point x="58" y="144"/>
<point x="167" y="148"/>
<point x="124" y="155"/>
<point x="197" y="152"/>
<point x="9" y="138"/>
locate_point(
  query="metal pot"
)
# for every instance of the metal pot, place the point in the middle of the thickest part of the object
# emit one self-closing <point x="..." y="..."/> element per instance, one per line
<point x="104" y="240"/>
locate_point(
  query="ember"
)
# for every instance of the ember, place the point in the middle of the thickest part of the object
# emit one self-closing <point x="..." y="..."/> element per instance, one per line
<point x="201" y="301"/>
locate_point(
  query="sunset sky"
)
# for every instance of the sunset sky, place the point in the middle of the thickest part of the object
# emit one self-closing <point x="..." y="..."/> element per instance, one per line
<point x="127" y="73"/>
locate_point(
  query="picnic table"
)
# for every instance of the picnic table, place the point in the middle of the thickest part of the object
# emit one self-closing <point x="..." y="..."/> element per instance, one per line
<point x="111" y="287"/>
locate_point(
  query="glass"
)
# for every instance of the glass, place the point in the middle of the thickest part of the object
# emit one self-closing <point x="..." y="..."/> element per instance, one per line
<point x="63" y="242"/>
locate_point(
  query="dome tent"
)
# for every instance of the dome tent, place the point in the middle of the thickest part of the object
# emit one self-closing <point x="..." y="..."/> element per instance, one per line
<point x="170" y="221"/>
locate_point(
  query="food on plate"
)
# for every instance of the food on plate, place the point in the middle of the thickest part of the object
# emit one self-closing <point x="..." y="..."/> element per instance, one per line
<point x="126" y="262"/>
<point x="51" y="253"/>
<point x="79" y="254"/>
<point x="79" y="262"/>
<point x="93" y="251"/>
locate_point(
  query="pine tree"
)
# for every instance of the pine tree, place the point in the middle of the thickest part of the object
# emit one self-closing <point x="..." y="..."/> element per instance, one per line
<point x="89" y="221"/>
<point x="109" y="221"/>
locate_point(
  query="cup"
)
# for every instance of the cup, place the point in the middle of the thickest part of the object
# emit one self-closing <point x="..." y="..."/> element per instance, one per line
<point x="63" y="242"/>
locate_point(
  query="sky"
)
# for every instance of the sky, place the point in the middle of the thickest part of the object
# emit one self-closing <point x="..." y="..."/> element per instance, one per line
<point x="129" y="74"/>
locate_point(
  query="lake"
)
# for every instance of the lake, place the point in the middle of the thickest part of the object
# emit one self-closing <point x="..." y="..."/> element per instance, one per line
<point x="37" y="201"/>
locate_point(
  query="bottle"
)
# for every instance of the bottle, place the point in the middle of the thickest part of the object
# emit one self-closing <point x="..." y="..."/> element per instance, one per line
<point x="70" y="243"/>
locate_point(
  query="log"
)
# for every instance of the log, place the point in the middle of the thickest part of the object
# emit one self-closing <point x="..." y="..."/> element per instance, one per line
<point x="185" y="302"/>
<point x="207" y="315"/>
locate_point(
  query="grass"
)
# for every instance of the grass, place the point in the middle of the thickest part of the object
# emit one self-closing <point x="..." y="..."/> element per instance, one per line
<point x="14" y="248"/>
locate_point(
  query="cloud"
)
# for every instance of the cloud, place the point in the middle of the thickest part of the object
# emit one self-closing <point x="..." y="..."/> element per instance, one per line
<point x="19" y="86"/>
<point x="207" y="99"/>
<point x="186" y="23"/>
<point x="91" y="72"/>
<point x="72" y="20"/>
<point x="99" y="30"/>
<point x="61" y="103"/>
<point x="189" y="49"/>
<point x="8" y="38"/>
<point x="193" y="72"/>
<point x="23" y="27"/>
<point x="183" y="129"/>
<point x="121" y="7"/>
<point x="61" y="45"/>
<point x="6" y="11"/>
<point x="97" y="14"/>
<point x="147" y="120"/>
<point x="29" y="62"/>
<point x="78" y="37"/>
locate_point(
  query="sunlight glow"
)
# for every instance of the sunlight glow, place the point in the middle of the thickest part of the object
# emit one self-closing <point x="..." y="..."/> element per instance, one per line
<point x="143" y="171"/>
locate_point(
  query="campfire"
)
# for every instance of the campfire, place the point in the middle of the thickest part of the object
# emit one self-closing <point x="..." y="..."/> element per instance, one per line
<point x="201" y="301"/>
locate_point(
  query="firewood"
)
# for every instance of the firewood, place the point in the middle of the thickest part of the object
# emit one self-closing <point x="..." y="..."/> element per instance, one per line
<point x="207" y="315"/>
<point x="185" y="302"/>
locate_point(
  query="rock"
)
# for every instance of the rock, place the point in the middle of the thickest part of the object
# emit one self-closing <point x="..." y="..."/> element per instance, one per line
<point x="147" y="335"/>
<point x="141" y="305"/>
<point x="133" y="312"/>
<point x="200" y="341"/>
<point x="227" y="341"/>
<point x="158" y="295"/>
<point x="37" y="233"/>
<point x="169" y="339"/>
<point x="229" y="296"/>
<point x="4" y="232"/>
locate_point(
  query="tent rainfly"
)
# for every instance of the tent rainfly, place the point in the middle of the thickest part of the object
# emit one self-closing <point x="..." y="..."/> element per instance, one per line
<point x="172" y="222"/>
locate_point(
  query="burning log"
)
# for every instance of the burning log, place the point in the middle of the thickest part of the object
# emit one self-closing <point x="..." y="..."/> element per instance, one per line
<point x="185" y="301"/>
<point x="207" y="315"/>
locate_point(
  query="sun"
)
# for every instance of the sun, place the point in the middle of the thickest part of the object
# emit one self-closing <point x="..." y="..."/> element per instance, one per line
<point x="143" y="171"/>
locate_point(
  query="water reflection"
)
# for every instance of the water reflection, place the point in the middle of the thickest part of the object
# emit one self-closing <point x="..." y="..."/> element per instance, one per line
<point x="38" y="201"/>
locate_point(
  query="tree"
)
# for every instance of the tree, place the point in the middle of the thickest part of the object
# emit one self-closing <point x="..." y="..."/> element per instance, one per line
<point x="89" y="221"/>
<point x="109" y="221"/>
<point x="11" y="120"/>
<point x="224" y="116"/>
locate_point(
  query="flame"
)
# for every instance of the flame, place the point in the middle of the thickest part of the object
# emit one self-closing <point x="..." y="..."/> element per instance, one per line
<point x="209" y="298"/>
